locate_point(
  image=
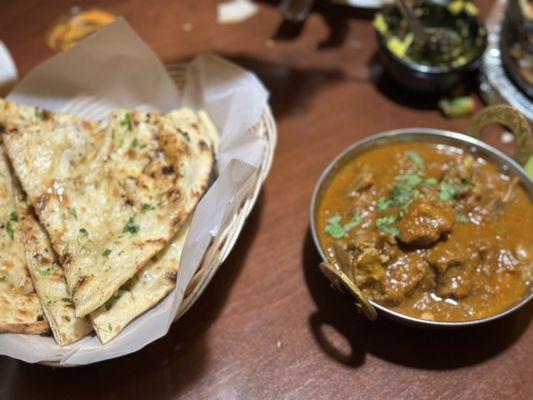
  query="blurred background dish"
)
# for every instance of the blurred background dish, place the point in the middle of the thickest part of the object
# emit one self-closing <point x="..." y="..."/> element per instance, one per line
<point x="495" y="84"/>
<point x="76" y="25"/>
<point x="364" y="3"/>
<point x="516" y="44"/>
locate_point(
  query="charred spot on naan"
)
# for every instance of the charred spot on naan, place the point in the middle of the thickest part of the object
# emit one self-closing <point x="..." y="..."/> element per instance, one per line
<point x="81" y="282"/>
<point x="171" y="276"/>
<point x="42" y="201"/>
<point x="26" y="314"/>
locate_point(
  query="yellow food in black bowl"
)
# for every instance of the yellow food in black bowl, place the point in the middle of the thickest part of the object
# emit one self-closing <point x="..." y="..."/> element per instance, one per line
<point x="424" y="65"/>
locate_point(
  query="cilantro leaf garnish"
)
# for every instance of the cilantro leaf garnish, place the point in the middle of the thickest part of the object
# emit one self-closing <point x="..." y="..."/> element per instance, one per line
<point x="148" y="206"/>
<point x="403" y="191"/>
<point x="126" y="122"/>
<point x="84" y="232"/>
<point x="462" y="219"/>
<point x="334" y="227"/>
<point x="430" y="181"/>
<point x="350" y="225"/>
<point x="66" y="300"/>
<point x="385" y="224"/>
<point x="109" y="303"/>
<point x="185" y="135"/>
<point x="131" y="226"/>
<point x="410" y="181"/>
<point x="9" y="231"/>
<point x="136" y="144"/>
<point x="406" y="188"/>
<point x="417" y="159"/>
<point x="338" y="230"/>
<point x="106" y="252"/>
<point x="448" y="191"/>
<point x="383" y="204"/>
<point x="14" y="216"/>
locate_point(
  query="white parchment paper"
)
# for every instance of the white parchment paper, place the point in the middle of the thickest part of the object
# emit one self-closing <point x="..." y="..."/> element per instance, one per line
<point x="115" y="68"/>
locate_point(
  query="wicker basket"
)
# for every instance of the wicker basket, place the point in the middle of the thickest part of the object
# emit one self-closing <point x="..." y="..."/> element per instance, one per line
<point x="221" y="246"/>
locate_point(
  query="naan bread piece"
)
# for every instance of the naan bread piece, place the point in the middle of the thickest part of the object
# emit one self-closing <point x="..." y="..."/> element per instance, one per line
<point x="142" y="292"/>
<point x="112" y="195"/>
<point x="156" y="279"/>
<point x="20" y="310"/>
<point x="49" y="281"/>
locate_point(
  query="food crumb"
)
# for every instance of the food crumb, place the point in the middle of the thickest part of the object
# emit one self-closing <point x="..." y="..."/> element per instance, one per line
<point x="457" y="107"/>
<point x="270" y="43"/>
<point x="186" y="27"/>
<point x="507" y="137"/>
<point x="235" y="11"/>
<point x="279" y="344"/>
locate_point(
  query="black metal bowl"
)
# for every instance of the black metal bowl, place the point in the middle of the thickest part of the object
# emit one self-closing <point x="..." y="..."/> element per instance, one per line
<point x="430" y="78"/>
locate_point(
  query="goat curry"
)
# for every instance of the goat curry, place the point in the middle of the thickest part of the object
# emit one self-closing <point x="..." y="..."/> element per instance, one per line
<point x="430" y="231"/>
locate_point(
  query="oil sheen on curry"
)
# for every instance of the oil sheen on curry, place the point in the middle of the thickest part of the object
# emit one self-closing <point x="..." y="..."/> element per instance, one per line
<point x="430" y="231"/>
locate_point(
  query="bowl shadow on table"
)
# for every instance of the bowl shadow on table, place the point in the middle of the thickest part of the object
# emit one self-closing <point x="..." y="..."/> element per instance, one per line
<point x="162" y="370"/>
<point x="291" y="88"/>
<point x="335" y="15"/>
<point x="393" y="341"/>
<point x="395" y="92"/>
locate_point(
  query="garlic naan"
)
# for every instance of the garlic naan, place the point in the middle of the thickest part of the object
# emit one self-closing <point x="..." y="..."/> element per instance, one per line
<point x="142" y="292"/>
<point x="20" y="310"/>
<point x="157" y="278"/>
<point x="110" y="194"/>
<point x="49" y="281"/>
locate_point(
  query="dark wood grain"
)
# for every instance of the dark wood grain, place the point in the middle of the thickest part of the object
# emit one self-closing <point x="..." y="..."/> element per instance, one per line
<point x="269" y="326"/>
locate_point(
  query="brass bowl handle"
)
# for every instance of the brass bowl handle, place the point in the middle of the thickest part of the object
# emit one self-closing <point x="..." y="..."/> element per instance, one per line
<point x="336" y="277"/>
<point x="513" y="120"/>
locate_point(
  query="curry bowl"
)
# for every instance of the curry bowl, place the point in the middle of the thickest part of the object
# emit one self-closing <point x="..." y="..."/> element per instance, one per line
<point x="345" y="273"/>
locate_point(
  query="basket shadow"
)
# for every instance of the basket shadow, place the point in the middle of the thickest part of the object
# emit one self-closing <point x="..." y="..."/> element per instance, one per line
<point x="405" y="97"/>
<point x="291" y="88"/>
<point x="395" y="342"/>
<point x="162" y="370"/>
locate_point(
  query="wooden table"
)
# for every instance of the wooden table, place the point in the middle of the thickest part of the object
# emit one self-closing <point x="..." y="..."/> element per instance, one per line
<point x="269" y="325"/>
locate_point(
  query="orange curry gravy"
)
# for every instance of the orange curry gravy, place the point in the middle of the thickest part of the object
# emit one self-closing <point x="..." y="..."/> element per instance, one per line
<point x="430" y="231"/>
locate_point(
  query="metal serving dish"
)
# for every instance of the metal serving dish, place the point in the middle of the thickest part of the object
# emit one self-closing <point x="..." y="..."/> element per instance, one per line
<point x="471" y="144"/>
